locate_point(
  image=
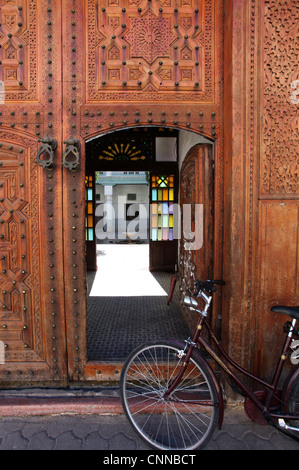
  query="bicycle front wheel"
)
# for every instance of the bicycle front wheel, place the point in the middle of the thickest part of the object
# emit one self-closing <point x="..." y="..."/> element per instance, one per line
<point x="187" y="418"/>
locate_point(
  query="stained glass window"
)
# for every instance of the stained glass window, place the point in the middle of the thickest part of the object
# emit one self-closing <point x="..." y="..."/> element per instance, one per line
<point x="89" y="221"/>
<point x="162" y="207"/>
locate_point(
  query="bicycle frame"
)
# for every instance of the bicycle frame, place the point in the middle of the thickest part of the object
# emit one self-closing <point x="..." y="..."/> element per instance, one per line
<point x="271" y="388"/>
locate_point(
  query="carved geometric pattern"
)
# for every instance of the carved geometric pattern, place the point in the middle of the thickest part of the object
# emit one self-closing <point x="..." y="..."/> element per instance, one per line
<point x="20" y="310"/>
<point x="280" y="164"/>
<point x="18" y="49"/>
<point x="146" y="51"/>
<point x="150" y="37"/>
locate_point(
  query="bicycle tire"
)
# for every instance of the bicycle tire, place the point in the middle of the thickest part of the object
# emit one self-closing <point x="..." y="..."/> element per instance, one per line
<point x="184" y="421"/>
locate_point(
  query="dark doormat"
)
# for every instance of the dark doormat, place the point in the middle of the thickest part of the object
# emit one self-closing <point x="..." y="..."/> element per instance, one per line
<point x="116" y="325"/>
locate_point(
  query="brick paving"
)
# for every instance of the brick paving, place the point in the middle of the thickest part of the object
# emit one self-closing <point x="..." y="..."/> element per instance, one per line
<point x="113" y="432"/>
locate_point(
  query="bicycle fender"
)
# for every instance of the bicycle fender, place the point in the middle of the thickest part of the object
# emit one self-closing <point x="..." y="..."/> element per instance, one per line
<point x="202" y="360"/>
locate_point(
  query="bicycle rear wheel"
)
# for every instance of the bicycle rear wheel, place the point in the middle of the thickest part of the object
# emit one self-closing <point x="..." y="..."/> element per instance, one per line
<point x="187" y="419"/>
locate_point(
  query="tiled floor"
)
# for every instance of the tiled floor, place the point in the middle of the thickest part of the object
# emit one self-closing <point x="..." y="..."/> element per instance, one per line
<point x="127" y="304"/>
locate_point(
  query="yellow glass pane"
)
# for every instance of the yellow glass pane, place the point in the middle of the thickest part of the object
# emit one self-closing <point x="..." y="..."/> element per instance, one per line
<point x="171" y="194"/>
<point x="90" y="221"/>
<point x="160" y="221"/>
<point x="90" y="208"/>
<point x="171" y="221"/>
<point x="160" y="235"/>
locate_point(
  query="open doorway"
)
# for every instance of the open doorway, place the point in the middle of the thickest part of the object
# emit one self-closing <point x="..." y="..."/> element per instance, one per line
<point x="131" y="250"/>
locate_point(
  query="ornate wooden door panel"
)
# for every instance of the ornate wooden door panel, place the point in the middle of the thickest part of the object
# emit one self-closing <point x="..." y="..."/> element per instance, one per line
<point x="157" y="63"/>
<point x="197" y="188"/>
<point x="32" y="324"/>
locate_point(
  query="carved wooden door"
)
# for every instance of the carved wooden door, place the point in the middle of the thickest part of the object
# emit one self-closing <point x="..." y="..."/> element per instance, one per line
<point x="72" y="70"/>
<point x="32" y="323"/>
<point x="197" y="234"/>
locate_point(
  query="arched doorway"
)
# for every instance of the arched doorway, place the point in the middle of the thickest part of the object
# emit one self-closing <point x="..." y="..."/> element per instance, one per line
<point x="127" y="301"/>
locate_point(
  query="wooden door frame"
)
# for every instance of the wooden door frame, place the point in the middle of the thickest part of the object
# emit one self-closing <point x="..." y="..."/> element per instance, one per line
<point x="82" y="120"/>
<point x="98" y="371"/>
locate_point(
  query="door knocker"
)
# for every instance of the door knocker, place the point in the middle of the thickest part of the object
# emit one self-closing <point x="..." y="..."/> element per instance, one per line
<point x="71" y="155"/>
<point x="45" y="154"/>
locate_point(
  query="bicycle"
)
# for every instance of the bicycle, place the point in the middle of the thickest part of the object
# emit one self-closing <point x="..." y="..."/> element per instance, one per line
<point x="173" y="399"/>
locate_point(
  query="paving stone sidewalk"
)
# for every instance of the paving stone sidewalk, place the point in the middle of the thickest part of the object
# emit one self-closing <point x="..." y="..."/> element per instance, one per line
<point x="91" y="432"/>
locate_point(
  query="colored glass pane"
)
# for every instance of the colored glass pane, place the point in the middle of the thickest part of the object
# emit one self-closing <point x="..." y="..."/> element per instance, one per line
<point x="171" y="221"/>
<point x="154" y="221"/>
<point x="90" y="208"/>
<point x="89" y="194"/>
<point x="160" y="195"/>
<point x="165" y="194"/>
<point x="90" y="221"/>
<point x="90" y="234"/>
<point x="171" y="234"/>
<point x="154" y="195"/>
<point x="154" y="209"/>
<point x="165" y="208"/>
<point x="165" y="234"/>
<point x="165" y="220"/>
<point x="171" y="195"/>
<point x="159" y="234"/>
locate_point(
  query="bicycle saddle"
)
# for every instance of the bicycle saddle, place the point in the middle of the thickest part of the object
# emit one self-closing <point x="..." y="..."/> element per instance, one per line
<point x="290" y="311"/>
